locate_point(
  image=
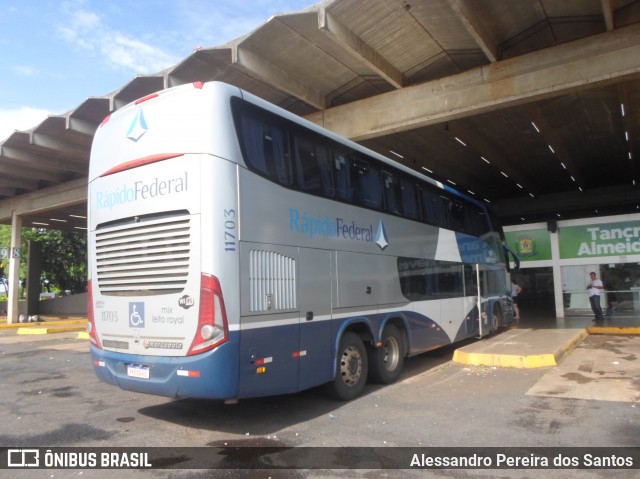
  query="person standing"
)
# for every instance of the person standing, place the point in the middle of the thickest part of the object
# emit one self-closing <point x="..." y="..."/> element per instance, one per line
<point x="515" y="291"/>
<point x="594" y="288"/>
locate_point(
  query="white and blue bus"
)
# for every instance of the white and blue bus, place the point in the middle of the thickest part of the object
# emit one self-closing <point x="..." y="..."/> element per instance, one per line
<point x="237" y="250"/>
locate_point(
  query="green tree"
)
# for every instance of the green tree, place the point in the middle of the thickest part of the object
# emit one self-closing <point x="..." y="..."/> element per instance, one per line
<point x="64" y="258"/>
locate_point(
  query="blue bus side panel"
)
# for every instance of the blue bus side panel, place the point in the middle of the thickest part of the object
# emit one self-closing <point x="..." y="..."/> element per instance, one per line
<point x="267" y="365"/>
<point x="424" y="333"/>
<point x="316" y="353"/>
<point x="273" y="362"/>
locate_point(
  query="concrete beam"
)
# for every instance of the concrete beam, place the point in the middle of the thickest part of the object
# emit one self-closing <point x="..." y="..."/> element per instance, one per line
<point x="255" y="66"/>
<point x="23" y="158"/>
<point x="608" y="14"/>
<point x="465" y="9"/>
<point x="587" y="63"/>
<point x="45" y="199"/>
<point x="359" y="48"/>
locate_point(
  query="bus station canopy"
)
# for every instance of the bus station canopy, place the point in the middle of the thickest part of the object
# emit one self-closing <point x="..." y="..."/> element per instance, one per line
<point x="531" y="106"/>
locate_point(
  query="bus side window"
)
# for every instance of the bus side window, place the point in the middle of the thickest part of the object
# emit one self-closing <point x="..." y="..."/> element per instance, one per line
<point x="392" y="193"/>
<point x="265" y="149"/>
<point x="365" y="180"/>
<point x="314" y="173"/>
<point x="400" y="195"/>
<point x="410" y="204"/>
<point x="475" y="220"/>
<point x="277" y="156"/>
<point x="432" y="207"/>
<point x="470" y="283"/>
<point x="343" y="179"/>
<point x="456" y="216"/>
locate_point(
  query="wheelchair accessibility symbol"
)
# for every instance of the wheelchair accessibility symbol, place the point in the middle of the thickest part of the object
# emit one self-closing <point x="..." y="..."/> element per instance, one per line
<point x="136" y="315"/>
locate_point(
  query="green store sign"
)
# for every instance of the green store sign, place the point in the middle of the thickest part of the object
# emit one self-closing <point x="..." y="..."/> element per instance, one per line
<point x="609" y="239"/>
<point x="530" y="245"/>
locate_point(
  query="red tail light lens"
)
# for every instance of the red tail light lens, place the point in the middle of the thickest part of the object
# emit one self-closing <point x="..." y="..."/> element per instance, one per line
<point x="91" y="324"/>
<point x="213" y="329"/>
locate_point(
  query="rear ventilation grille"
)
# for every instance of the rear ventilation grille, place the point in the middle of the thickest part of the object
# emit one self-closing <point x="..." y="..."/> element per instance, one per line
<point x="272" y="281"/>
<point x="146" y="255"/>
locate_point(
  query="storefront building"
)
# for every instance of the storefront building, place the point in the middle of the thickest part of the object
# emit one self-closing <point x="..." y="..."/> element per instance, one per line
<point x="557" y="257"/>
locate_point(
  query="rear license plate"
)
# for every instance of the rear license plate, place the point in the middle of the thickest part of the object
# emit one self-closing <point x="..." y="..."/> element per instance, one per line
<point x="138" y="371"/>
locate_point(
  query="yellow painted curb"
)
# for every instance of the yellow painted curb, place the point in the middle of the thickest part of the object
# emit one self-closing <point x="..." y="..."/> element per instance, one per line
<point x="518" y="361"/>
<point x="51" y="330"/>
<point x="570" y="345"/>
<point x="504" y="360"/>
<point x="32" y="330"/>
<point x="43" y="324"/>
<point x="613" y="330"/>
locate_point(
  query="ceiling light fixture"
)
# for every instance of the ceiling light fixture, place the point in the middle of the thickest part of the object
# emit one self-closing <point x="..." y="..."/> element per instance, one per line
<point x="397" y="154"/>
<point x="535" y="126"/>
<point x="460" y="141"/>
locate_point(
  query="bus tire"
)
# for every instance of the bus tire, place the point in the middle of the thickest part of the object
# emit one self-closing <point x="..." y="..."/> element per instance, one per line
<point x="352" y="367"/>
<point x="386" y="362"/>
<point x="496" y="319"/>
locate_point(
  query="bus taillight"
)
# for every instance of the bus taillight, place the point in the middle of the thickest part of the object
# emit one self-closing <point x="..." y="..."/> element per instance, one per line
<point x="91" y="324"/>
<point x="212" y="321"/>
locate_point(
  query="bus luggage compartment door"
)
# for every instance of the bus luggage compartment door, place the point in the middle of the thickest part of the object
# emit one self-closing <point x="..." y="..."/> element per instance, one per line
<point x="315" y="355"/>
<point x="269" y="319"/>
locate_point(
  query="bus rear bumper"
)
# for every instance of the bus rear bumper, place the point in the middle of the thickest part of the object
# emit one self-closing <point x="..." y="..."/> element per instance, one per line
<point x="212" y="375"/>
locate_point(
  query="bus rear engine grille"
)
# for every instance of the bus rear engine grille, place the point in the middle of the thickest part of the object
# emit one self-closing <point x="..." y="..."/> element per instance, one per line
<point x="148" y="255"/>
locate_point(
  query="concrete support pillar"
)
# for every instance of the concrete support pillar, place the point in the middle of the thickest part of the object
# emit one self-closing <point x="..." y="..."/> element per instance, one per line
<point x="34" y="271"/>
<point x="14" y="268"/>
<point x="557" y="274"/>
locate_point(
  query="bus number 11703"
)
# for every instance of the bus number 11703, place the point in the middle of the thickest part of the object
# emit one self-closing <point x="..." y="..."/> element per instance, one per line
<point x="230" y="230"/>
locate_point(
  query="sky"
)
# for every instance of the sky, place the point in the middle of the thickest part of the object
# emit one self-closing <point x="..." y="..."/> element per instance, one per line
<point x="54" y="54"/>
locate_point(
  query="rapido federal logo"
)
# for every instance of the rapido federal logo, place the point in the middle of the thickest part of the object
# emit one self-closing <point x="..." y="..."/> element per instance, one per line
<point x="140" y="190"/>
<point x="322" y="225"/>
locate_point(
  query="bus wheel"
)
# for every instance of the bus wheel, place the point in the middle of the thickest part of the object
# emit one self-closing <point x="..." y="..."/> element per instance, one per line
<point x="495" y="320"/>
<point x="351" y="376"/>
<point x="386" y="362"/>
